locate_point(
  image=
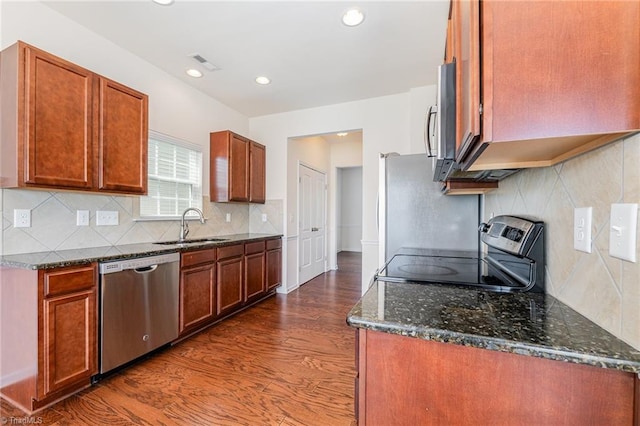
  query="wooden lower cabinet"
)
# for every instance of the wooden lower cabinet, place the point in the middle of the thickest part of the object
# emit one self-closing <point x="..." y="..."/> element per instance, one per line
<point x="69" y="317"/>
<point x="58" y="316"/>
<point x="254" y="270"/>
<point x="409" y="381"/>
<point x="274" y="264"/>
<point x="197" y="289"/>
<point x="229" y="278"/>
<point x="218" y="282"/>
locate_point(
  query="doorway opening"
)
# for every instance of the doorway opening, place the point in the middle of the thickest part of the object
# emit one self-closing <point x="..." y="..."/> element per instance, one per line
<point x="329" y="154"/>
<point x="349" y="209"/>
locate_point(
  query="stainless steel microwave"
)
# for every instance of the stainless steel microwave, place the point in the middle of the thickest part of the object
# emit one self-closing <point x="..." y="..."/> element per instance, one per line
<point x="441" y="134"/>
<point x="445" y="123"/>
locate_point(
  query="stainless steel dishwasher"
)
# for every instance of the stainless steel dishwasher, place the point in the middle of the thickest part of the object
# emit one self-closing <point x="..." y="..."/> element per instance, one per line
<point x="138" y="307"/>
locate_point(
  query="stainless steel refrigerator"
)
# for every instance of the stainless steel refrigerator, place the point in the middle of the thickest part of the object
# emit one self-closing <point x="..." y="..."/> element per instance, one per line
<point x="412" y="211"/>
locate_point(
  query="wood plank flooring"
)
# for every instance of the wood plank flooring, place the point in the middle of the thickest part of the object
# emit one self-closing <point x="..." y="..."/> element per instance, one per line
<point x="287" y="361"/>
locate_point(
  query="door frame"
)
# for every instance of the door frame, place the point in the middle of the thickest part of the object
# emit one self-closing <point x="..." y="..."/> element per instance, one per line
<point x="299" y="230"/>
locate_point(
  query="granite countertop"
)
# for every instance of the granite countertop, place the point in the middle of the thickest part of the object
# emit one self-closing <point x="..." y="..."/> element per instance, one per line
<point x="54" y="259"/>
<point x="530" y="324"/>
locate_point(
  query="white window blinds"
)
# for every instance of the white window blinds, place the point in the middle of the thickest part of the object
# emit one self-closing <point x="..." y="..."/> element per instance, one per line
<point x="175" y="177"/>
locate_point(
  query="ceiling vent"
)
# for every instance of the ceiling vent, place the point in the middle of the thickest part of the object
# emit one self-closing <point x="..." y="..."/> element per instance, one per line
<point x="208" y="65"/>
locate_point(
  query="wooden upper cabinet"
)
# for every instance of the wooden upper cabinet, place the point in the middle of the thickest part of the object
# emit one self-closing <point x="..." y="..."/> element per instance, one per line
<point x="237" y="168"/>
<point x="122" y="138"/>
<point x="57" y="140"/>
<point x="257" y="178"/>
<point x="557" y="79"/>
<point x="466" y="32"/>
<point x="65" y="127"/>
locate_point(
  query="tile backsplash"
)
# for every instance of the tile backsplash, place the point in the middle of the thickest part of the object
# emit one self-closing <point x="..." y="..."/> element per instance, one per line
<point x="604" y="289"/>
<point x="53" y="221"/>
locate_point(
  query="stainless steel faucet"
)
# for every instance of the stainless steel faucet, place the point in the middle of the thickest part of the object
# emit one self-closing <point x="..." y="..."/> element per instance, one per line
<point x="184" y="227"/>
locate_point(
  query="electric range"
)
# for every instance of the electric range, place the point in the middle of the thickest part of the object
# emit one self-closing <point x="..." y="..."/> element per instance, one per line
<point x="511" y="259"/>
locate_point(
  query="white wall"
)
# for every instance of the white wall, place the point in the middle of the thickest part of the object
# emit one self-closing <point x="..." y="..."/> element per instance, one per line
<point x="388" y="124"/>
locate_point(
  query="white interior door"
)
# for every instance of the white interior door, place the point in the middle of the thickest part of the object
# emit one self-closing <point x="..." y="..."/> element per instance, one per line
<point x="311" y="216"/>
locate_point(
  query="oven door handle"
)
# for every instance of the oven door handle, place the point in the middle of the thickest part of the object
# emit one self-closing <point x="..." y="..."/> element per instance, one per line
<point x="502" y="268"/>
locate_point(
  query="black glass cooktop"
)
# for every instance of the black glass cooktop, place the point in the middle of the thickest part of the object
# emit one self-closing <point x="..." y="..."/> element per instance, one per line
<point x="492" y="271"/>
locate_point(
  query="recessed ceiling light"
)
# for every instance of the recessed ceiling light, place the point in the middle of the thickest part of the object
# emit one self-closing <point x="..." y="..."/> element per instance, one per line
<point x="163" y="2"/>
<point x="352" y="17"/>
<point x="262" y="80"/>
<point x="194" y="73"/>
<point x="342" y="134"/>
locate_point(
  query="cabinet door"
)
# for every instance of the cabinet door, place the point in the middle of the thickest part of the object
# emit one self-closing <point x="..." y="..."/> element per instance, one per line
<point x="257" y="173"/>
<point x="122" y="136"/>
<point x="58" y="115"/>
<point x="229" y="277"/>
<point x="254" y="275"/>
<point x="238" y="169"/>
<point x="274" y="269"/>
<point x="68" y="325"/>
<point x="197" y="296"/>
<point x="466" y="33"/>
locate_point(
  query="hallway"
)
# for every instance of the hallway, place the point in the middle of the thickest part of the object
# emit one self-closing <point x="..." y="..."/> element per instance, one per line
<point x="287" y="361"/>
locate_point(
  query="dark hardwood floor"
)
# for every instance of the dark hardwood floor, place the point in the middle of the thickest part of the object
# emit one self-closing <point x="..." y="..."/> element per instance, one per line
<point x="286" y="361"/>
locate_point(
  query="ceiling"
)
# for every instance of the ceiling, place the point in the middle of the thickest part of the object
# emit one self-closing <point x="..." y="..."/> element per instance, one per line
<point x="311" y="58"/>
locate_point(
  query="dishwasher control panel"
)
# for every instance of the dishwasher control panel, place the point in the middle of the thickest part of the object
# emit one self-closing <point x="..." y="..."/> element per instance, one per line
<point x="142" y="262"/>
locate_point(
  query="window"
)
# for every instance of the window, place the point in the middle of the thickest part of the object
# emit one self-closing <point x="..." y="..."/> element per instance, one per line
<point x="175" y="177"/>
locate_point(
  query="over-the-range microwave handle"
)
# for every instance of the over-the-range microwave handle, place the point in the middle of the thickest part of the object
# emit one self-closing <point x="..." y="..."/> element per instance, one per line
<point x="433" y="110"/>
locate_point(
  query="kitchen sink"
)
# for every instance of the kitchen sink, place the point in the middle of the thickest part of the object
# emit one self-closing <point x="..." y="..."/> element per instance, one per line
<point x="192" y="241"/>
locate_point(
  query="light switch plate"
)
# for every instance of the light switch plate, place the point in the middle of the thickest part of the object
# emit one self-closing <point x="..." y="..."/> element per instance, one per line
<point x="22" y="218"/>
<point x="264" y="217"/>
<point x="104" y="218"/>
<point x="622" y="235"/>
<point x="228" y="217"/>
<point x="82" y="217"/>
<point x="582" y="229"/>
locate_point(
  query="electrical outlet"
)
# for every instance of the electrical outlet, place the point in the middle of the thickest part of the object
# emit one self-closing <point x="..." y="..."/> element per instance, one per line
<point x="22" y="218"/>
<point x="82" y="217"/>
<point x="228" y="217"/>
<point x="106" y="218"/>
<point x="264" y="217"/>
<point x="622" y="238"/>
<point x="582" y="229"/>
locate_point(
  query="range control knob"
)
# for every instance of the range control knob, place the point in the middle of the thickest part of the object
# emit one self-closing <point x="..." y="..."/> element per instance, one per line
<point x="483" y="227"/>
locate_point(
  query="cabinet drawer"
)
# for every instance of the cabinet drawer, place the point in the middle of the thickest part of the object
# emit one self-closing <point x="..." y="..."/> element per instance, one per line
<point x="67" y="280"/>
<point x="230" y="251"/>
<point x="274" y="244"/>
<point x="198" y="257"/>
<point x="255" y="247"/>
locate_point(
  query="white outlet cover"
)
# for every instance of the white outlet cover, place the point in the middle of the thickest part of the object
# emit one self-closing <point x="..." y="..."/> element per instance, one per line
<point x="82" y="218"/>
<point x="582" y="229"/>
<point x="21" y="218"/>
<point x="264" y="217"/>
<point x="622" y="234"/>
<point x="106" y="218"/>
<point x="228" y="217"/>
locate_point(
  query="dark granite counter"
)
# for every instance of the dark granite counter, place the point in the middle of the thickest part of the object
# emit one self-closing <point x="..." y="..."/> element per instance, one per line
<point x="54" y="259"/>
<point x="530" y="324"/>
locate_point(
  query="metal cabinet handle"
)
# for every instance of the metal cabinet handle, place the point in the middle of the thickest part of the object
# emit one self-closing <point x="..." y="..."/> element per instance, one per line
<point x="314" y="229"/>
